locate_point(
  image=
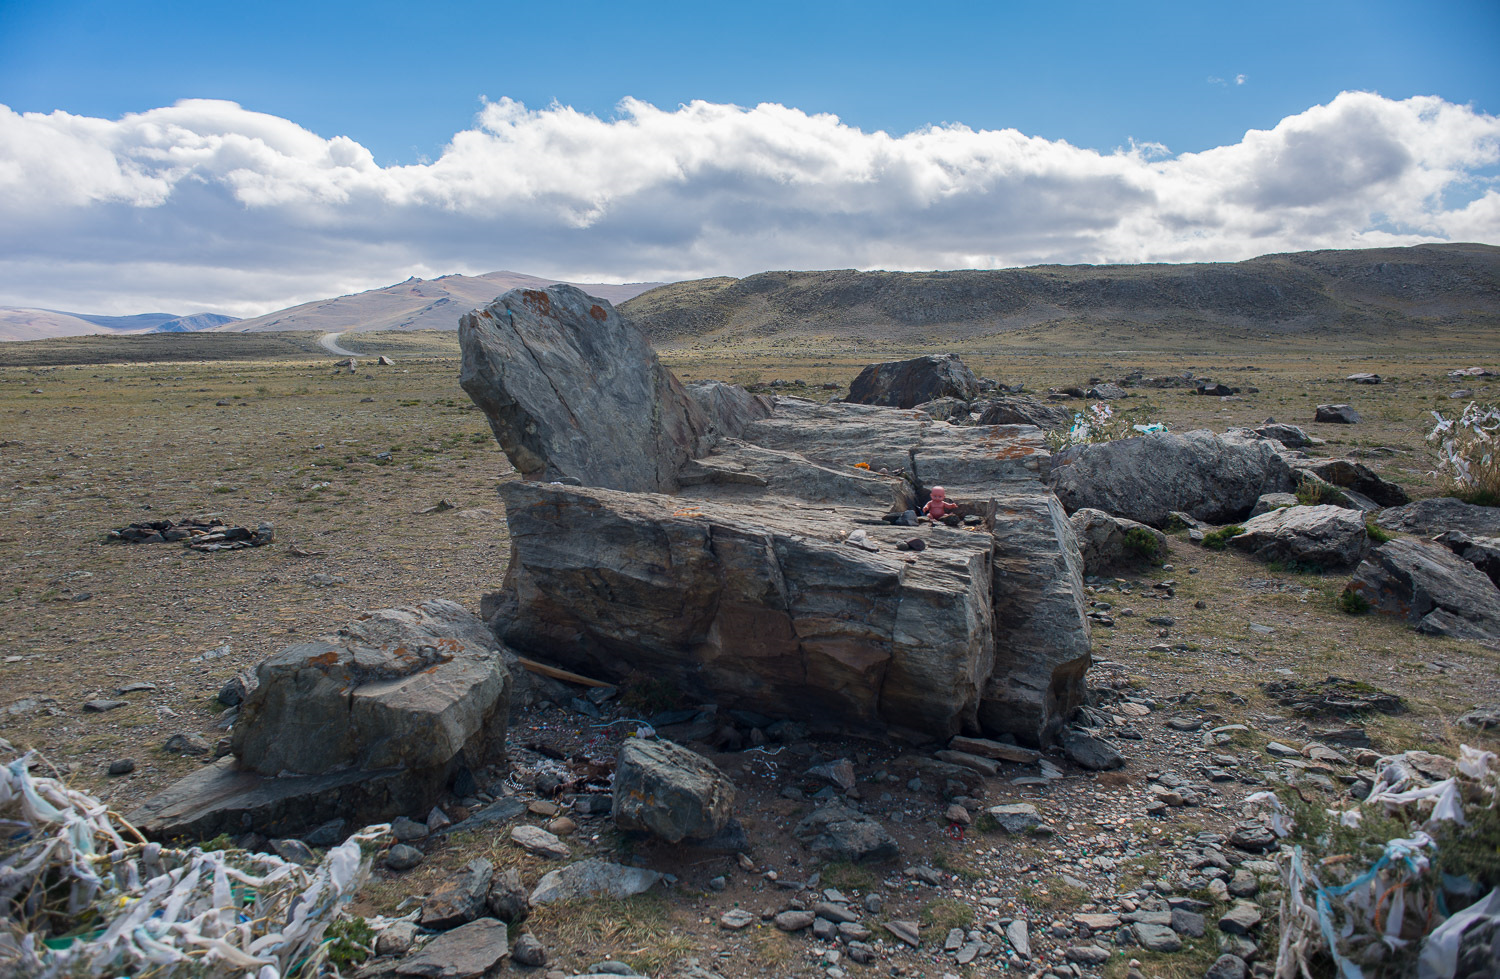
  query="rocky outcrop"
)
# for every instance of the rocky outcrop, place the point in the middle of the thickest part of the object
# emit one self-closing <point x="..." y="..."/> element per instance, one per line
<point x="908" y="383"/>
<point x="572" y="391"/>
<point x="673" y="793"/>
<point x="770" y="582"/>
<point x="1215" y="478"/>
<point x="1324" y="536"/>
<point x="1021" y="410"/>
<point x="1109" y="543"/>
<point x="1432" y="588"/>
<point x="364" y="725"/>
<point x="1441" y="514"/>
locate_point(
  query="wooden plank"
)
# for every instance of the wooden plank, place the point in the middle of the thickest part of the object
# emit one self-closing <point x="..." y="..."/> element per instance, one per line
<point x="559" y="674"/>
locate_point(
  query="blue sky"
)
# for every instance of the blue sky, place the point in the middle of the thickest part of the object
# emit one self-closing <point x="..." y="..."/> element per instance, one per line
<point x="401" y="78"/>
<point x="337" y="146"/>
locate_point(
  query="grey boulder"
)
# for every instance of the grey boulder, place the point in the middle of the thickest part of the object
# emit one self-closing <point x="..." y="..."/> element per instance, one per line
<point x="1107" y="543"/>
<point x="836" y="832"/>
<point x="673" y="793"/>
<point x="1435" y="590"/>
<point x="571" y="390"/>
<point x="1337" y="414"/>
<point x="410" y="688"/>
<point x="1325" y="536"/>
<point x="1441" y="514"/>
<point x="1288" y="435"/>
<point x="1215" y="478"/>
<point x="1358" y="477"/>
<point x="1091" y="752"/>
<point x="470" y="952"/>
<point x="1023" y="410"/>
<point x="593" y="878"/>
<point x="1274" y="501"/>
<point x="908" y="383"/>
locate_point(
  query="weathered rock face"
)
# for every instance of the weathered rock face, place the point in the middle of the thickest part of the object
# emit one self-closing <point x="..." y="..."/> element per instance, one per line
<point x="1021" y="410"/>
<point x="1432" y="588"/>
<point x="955" y="411"/>
<point x="1326" y="536"/>
<point x="673" y="793"/>
<point x="763" y="605"/>
<point x="1107" y="544"/>
<point x="572" y="390"/>
<point x="1441" y="514"/>
<point x="1210" y="477"/>
<point x="729" y="407"/>
<point x="409" y="688"/>
<point x="1041" y="630"/>
<point x="908" y="383"/>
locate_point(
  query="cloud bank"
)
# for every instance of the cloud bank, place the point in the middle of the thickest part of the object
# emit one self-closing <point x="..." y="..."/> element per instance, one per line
<point x="204" y="205"/>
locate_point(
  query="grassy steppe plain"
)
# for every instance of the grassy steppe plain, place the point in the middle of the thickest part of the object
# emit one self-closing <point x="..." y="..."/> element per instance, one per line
<point x="96" y="433"/>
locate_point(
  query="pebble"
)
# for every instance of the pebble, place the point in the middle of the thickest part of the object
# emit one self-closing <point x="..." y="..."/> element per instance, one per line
<point x="735" y="919"/>
<point x="401" y="857"/>
<point x="528" y="951"/>
<point x="122" y="766"/>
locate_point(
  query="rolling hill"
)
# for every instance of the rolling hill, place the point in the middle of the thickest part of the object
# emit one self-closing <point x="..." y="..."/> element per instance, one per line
<point x="416" y="304"/>
<point x="1298" y="292"/>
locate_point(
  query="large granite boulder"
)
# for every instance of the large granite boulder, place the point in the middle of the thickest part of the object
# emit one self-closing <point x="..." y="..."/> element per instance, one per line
<point x="363" y="725"/>
<point x="908" y="383"/>
<point x="1326" y="536"/>
<point x="1441" y="514"/>
<point x="1214" y="478"/>
<point x="673" y="793"/>
<point x="1431" y="587"/>
<point x="571" y="390"/>
<point x="1020" y="410"/>
<point x="1109" y="544"/>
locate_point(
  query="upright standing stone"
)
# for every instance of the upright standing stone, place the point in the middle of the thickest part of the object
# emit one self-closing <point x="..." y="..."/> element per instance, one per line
<point x="573" y="390"/>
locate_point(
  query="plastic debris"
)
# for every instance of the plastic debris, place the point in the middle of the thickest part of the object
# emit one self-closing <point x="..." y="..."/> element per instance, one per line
<point x="1390" y="915"/>
<point x="82" y="893"/>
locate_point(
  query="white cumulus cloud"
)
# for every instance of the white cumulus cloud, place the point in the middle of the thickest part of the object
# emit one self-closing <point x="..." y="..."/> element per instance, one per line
<point x="205" y="205"/>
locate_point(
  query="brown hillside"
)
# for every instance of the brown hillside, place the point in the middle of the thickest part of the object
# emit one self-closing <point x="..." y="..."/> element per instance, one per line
<point x="1299" y="292"/>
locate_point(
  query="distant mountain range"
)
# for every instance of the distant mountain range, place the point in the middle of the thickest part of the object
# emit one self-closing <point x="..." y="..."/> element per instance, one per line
<point x="1297" y="292"/>
<point x="417" y="304"/>
<point x="18" y="323"/>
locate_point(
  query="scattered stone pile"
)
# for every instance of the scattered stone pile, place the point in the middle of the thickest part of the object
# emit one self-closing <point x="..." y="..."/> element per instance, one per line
<point x="197" y="533"/>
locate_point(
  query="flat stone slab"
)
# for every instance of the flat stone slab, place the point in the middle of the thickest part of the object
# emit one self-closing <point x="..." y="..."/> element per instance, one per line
<point x="224" y="798"/>
<point x="593" y="878"/>
<point x="467" y="952"/>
